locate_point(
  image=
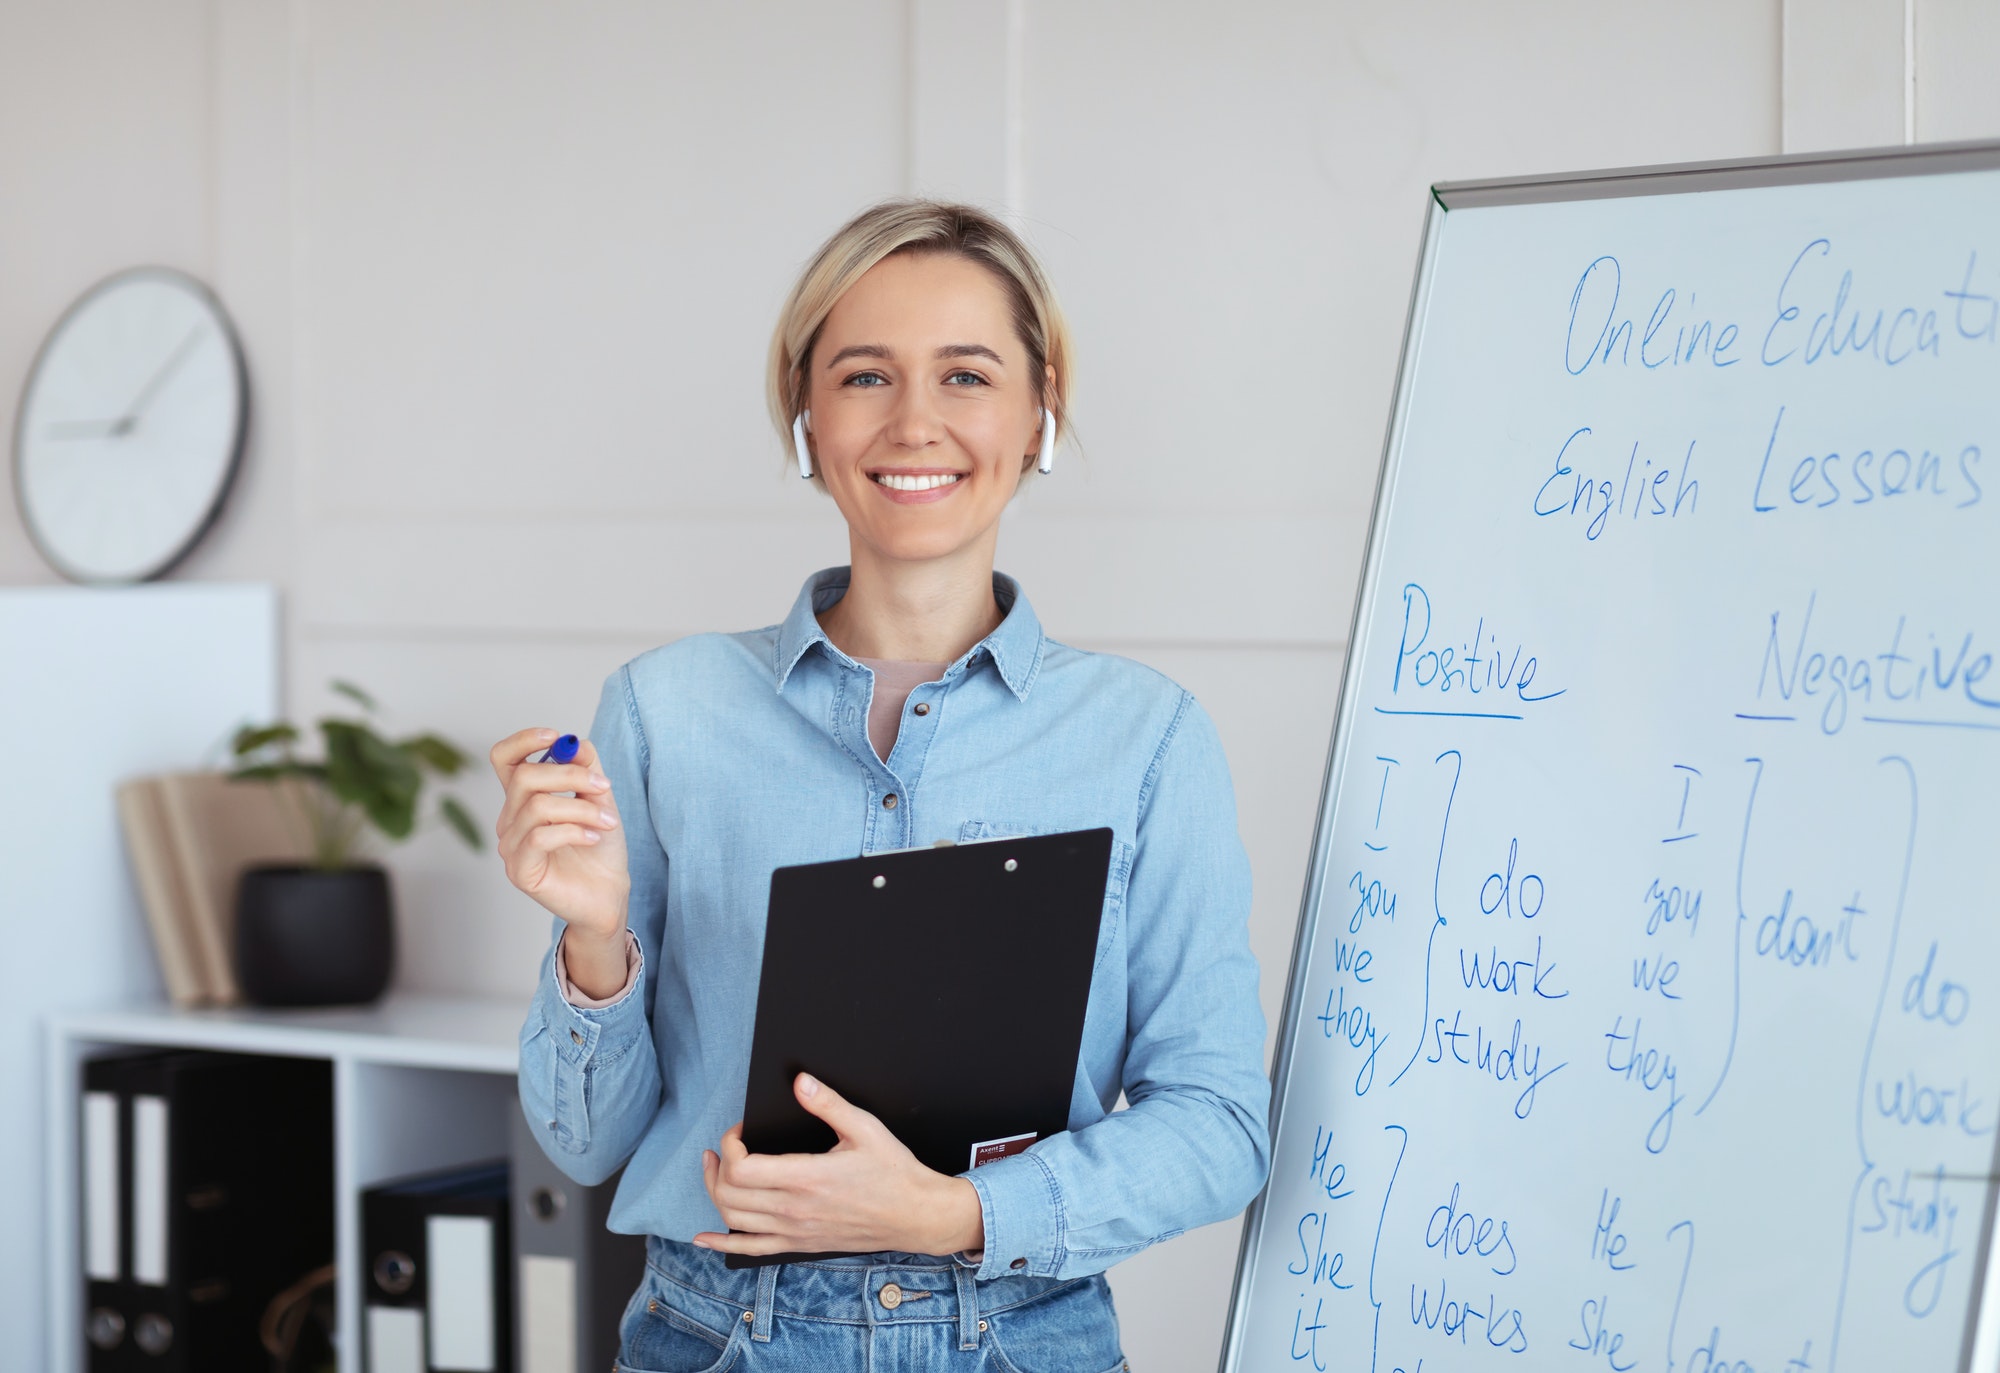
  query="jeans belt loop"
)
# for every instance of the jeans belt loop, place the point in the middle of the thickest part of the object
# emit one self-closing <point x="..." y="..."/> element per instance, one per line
<point x="968" y="1306"/>
<point x="767" y="1296"/>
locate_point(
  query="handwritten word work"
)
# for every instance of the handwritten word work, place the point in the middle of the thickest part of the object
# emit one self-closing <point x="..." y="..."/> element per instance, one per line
<point x="1646" y="1016"/>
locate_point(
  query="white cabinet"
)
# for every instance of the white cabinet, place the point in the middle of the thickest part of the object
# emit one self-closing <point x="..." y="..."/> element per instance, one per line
<point x="418" y="1083"/>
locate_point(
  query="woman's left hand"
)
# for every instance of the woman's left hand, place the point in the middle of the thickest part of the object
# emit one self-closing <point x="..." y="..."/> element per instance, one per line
<point x="867" y="1193"/>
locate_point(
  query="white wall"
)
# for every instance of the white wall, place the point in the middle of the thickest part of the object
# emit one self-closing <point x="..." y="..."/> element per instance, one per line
<point x="505" y="273"/>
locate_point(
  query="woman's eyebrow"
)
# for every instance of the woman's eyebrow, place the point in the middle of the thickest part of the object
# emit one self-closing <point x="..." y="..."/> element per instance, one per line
<point x="970" y="350"/>
<point x="886" y="354"/>
<point x="860" y="350"/>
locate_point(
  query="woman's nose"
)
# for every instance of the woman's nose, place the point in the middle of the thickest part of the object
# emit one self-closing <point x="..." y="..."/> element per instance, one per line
<point x="916" y="422"/>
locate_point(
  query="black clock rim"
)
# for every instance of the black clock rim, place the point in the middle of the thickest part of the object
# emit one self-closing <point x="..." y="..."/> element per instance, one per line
<point x="238" y="442"/>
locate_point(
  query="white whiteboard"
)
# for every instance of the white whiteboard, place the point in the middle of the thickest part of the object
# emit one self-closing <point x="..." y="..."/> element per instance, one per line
<point x="1646" y="1011"/>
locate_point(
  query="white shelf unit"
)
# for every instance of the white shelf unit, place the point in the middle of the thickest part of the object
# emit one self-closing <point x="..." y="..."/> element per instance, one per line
<point x="419" y="1082"/>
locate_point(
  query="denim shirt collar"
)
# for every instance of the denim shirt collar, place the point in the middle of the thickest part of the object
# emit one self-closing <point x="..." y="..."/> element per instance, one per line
<point x="1015" y="646"/>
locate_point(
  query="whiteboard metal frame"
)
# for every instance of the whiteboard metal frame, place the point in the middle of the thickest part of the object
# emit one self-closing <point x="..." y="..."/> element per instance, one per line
<point x="1861" y="164"/>
<point x="1798" y="169"/>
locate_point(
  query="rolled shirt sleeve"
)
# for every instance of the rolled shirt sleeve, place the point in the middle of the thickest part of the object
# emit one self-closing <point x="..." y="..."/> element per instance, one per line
<point x="1192" y="1145"/>
<point x="635" y="963"/>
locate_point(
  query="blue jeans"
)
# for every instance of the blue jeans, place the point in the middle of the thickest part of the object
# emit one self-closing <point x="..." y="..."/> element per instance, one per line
<point x="871" y="1314"/>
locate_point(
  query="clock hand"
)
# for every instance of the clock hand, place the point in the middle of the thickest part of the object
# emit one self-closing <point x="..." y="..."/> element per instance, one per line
<point x="124" y="423"/>
<point x="82" y="429"/>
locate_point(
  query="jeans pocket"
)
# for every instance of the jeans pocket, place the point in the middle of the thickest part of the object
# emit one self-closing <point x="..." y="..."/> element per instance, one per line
<point x="1074" y="1329"/>
<point x="658" y="1337"/>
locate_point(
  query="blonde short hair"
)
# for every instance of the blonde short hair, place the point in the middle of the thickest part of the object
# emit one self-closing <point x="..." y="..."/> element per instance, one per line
<point x="918" y="226"/>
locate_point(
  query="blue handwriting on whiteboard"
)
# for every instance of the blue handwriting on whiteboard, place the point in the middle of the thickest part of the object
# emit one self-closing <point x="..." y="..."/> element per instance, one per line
<point x="1608" y="1245"/>
<point x="1817" y="315"/>
<point x="1794" y="666"/>
<point x="1816" y="319"/>
<point x="1356" y="1025"/>
<point x="1509" y="977"/>
<point x="1926" y="1221"/>
<point x="1502" y="892"/>
<point x="1502" y="1327"/>
<point x="1628" y="1055"/>
<point x="1461" y="671"/>
<point x="1864" y="477"/>
<point x="1947" y="1002"/>
<point x="1508" y="1060"/>
<point x="1598" y="334"/>
<point x="1594" y="497"/>
<point x="1456" y="1232"/>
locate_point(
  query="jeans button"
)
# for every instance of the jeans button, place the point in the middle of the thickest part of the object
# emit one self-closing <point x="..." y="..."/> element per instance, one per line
<point x="889" y="801"/>
<point x="891" y="1296"/>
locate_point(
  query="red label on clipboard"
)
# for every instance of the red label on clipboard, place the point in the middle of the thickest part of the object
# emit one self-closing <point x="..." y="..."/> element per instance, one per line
<point x="992" y="1150"/>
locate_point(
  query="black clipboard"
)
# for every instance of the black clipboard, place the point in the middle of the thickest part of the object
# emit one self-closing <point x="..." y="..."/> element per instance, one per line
<point x="941" y="989"/>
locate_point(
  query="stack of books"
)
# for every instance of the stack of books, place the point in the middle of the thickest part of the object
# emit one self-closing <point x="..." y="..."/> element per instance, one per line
<point x="190" y="836"/>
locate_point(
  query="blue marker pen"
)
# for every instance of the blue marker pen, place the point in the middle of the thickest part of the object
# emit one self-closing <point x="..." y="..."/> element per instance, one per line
<point x="562" y="750"/>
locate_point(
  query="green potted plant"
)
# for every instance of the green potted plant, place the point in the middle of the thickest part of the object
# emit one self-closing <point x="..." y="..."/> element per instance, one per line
<point x="322" y="933"/>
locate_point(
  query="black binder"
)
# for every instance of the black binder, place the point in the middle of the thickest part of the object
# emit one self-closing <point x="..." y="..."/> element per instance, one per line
<point x="425" y="1309"/>
<point x="942" y="989"/>
<point x="572" y="1274"/>
<point x="106" y="1194"/>
<point x="224" y="1198"/>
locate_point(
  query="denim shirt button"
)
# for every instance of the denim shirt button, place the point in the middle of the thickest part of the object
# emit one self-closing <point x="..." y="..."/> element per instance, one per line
<point x="575" y="1037"/>
<point x="922" y="707"/>
<point x="889" y="801"/>
<point x="1018" y="1263"/>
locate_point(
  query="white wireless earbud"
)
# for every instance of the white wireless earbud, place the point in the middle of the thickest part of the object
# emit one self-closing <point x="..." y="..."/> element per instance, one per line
<point x="1048" y="460"/>
<point x="799" y="427"/>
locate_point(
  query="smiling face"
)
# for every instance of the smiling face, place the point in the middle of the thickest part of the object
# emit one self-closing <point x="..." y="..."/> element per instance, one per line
<point x="924" y="408"/>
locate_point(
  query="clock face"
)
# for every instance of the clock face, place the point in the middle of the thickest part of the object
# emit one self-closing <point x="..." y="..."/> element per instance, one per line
<point x="130" y="428"/>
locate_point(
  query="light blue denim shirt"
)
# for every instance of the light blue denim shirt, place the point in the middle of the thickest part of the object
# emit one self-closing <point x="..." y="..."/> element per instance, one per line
<point x="731" y="755"/>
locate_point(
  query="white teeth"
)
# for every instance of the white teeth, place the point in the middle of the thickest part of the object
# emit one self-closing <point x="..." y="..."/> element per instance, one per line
<point x="897" y="482"/>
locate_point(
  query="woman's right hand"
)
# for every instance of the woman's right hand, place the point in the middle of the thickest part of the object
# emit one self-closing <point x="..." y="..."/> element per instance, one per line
<point x="568" y="852"/>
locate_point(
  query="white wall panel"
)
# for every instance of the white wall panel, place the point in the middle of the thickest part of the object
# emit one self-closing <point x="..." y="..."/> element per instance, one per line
<point x="251" y="272"/>
<point x="544" y="245"/>
<point x="1230" y="205"/>
<point x="1957" y="52"/>
<point x="105" y="110"/>
<point x="1847" y="74"/>
<point x="964" y="101"/>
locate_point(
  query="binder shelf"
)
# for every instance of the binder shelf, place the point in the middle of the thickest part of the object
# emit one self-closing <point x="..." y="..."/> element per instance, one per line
<point x="419" y="1083"/>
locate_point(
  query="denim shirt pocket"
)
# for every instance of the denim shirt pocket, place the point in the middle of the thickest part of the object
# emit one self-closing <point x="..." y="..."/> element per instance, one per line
<point x="1111" y="926"/>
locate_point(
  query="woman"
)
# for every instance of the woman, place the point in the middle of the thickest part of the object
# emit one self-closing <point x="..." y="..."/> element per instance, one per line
<point x="922" y="369"/>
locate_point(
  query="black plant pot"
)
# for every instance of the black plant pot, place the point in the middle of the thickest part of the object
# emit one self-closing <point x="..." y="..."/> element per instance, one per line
<point x="308" y="937"/>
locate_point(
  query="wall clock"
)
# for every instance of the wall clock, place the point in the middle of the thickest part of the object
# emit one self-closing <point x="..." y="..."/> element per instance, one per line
<point x="131" y="427"/>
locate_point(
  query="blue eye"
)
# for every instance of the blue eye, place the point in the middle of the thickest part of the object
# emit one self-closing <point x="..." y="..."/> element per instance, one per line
<point x="866" y="379"/>
<point x="961" y="377"/>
